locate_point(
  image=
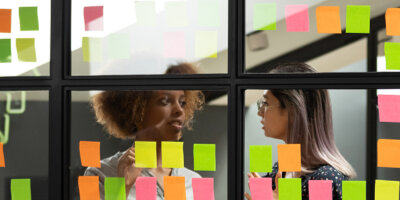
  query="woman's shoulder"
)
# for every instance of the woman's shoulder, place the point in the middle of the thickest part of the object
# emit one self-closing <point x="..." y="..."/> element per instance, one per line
<point x="327" y="172"/>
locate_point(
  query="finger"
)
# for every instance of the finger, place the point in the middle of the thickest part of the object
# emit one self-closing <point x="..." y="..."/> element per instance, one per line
<point x="250" y="175"/>
<point x="277" y="177"/>
<point x="247" y="195"/>
<point x="256" y="175"/>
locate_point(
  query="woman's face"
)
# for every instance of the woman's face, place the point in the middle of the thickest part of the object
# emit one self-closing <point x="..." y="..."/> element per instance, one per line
<point x="165" y="110"/>
<point x="274" y="117"/>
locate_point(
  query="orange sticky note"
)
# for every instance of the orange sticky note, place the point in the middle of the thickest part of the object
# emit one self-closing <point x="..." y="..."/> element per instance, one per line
<point x="393" y="21"/>
<point x="90" y="154"/>
<point x="5" y="20"/>
<point x="174" y="188"/>
<point x="89" y="187"/>
<point x="289" y="157"/>
<point x="2" y="162"/>
<point x="388" y="151"/>
<point x="328" y="19"/>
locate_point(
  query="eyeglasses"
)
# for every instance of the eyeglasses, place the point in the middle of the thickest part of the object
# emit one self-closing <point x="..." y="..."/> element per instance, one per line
<point x="262" y="105"/>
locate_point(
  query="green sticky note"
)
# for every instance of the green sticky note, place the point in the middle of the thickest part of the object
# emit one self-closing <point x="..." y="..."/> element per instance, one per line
<point x="28" y="19"/>
<point x="264" y="16"/>
<point x="5" y="50"/>
<point x="176" y="14"/>
<point x="145" y="154"/>
<point x="354" y="190"/>
<point x="204" y="157"/>
<point x="289" y="188"/>
<point x="92" y="49"/>
<point x="206" y="44"/>
<point x="172" y="154"/>
<point x="114" y="188"/>
<point x="20" y="189"/>
<point x="260" y="158"/>
<point x="392" y="54"/>
<point x="118" y="46"/>
<point x="358" y="19"/>
<point x="26" y="49"/>
<point x="145" y="13"/>
<point x="208" y="13"/>
<point x="386" y="190"/>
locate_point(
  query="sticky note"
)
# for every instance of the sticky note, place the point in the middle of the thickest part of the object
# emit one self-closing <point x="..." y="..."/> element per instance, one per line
<point x="176" y="13"/>
<point x="90" y="153"/>
<point x="92" y="49"/>
<point x="389" y="108"/>
<point x="392" y="55"/>
<point x="260" y="158"/>
<point x="203" y="188"/>
<point x="354" y="190"/>
<point x="114" y="188"/>
<point x="204" y="157"/>
<point x="289" y="157"/>
<point x="119" y="46"/>
<point x="328" y="19"/>
<point x="264" y="16"/>
<point x="21" y="189"/>
<point x="320" y="189"/>
<point x="358" y="19"/>
<point x="206" y="44"/>
<point x="297" y="19"/>
<point x="5" y="20"/>
<point x="89" y="187"/>
<point x="388" y="151"/>
<point x="2" y="162"/>
<point x="145" y="13"/>
<point x="5" y="50"/>
<point x="174" y="188"/>
<point x="208" y="13"/>
<point x="172" y="154"/>
<point x="261" y="188"/>
<point x="289" y="188"/>
<point x="145" y="154"/>
<point x="146" y="188"/>
<point x="386" y="190"/>
<point x="174" y="45"/>
<point x="392" y="21"/>
<point x="26" y="49"/>
<point x="93" y="18"/>
<point x="28" y="19"/>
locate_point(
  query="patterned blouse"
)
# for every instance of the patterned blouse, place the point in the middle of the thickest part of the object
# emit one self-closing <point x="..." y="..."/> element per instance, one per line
<point x="324" y="172"/>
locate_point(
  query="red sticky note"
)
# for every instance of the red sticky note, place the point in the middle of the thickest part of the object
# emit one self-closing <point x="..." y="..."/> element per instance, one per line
<point x="93" y="18"/>
<point x="203" y="188"/>
<point x="297" y="18"/>
<point x="174" y="188"/>
<point x="90" y="153"/>
<point x="320" y="189"/>
<point x="393" y="21"/>
<point x="146" y="188"/>
<point x="261" y="188"/>
<point x="174" y="45"/>
<point x="388" y="151"/>
<point x="5" y="20"/>
<point x="389" y="108"/>
<point x="2" y="162"/>
<point x="89" y="187"/>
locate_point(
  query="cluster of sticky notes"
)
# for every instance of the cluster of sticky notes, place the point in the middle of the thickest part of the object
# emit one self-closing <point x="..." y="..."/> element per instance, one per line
<point x="389" y="108"/>
<point x="2" y="160"/>
<point x="90" y="153"/>
<point x="21" y="189"/>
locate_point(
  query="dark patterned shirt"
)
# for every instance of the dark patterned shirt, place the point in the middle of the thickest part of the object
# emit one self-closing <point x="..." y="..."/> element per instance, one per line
<point x="324" y="172"/>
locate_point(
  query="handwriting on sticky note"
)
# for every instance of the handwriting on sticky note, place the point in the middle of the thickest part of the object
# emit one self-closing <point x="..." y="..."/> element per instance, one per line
<point x="26" y="49"/>
<point x="5" y="20"/>
<point x="114" y="188"/>
<point x="328" y="19"/>
<point x="146" y="188"/>
<point x="354" y="190"/>
<point x="392" y="55"/>
<point x="172" y="154"/>
<point x="174" y="45"/>
<point x="174" y="188"/>
<point x="208" y="13"/>
<point x="145" y="154"/>
<point x="261" y="188"/>
<point x="289" y="157"/>
<point x="206" y="44"/>
<point x="260" y="158"/>
<point x="320" y="189"/>
<point x="386" y="190"/>
<point x="289" y="188"/>
<point x="297" y="19"/>
<point x="28" y="19"/>
<point x="389" y="108"/>
<point x="358" y="19"/>
<point x="5" y="50"/>
<point x="388" y="151"/>
<point x="2" y="160"/>
<point x="393" y="21"/>
<point x="204" y="157"/>
<point x="90" y="153"/>
<point x="264" y="16"/>
<point x="93" y="16"/>
<point x="92" y="49"/>
<point x="89" y="187"/>
<point x="203" y="188"/>
<point x="21" y="189"/>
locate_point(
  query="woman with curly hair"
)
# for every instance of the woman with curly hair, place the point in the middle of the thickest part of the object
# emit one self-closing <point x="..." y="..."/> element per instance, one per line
<point x="145" y="116"/>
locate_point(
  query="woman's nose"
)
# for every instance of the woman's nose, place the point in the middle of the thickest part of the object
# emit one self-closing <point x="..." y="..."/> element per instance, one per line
<point x="177" y="108"/>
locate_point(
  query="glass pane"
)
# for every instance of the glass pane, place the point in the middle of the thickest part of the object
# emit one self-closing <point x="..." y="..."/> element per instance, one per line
<point x="25" y="38"/>
<point x="126" y="37"/>
<point x="209" y="127"/>
<point x="25" y="140"/>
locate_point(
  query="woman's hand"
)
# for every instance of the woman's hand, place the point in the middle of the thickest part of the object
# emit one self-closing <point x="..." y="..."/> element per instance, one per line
<point x="127" y="169"/>
<point x="275" y="193"/>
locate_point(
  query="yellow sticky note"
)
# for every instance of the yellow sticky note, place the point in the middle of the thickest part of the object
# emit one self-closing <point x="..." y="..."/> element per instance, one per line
<point x="172" y="154"/>
<point x="206" y="44"/>
<point x="145" y="154"/>
<point x="386" y="190"/>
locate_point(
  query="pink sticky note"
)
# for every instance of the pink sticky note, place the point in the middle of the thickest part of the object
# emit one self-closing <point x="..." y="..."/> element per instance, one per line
<point x="146" y="188"/>
<point x="389" y="108"/>
<point x="320" y="189"/>
<point x="261" y="188"/>
<point x="93" y="18"/>
<point x="297" y="18"/>
<point x="203" y="188"/>
<point x="174" y="45"/>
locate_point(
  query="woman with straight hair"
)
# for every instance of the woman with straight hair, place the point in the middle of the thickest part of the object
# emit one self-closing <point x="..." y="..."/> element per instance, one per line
<point x="303" y="116"/>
